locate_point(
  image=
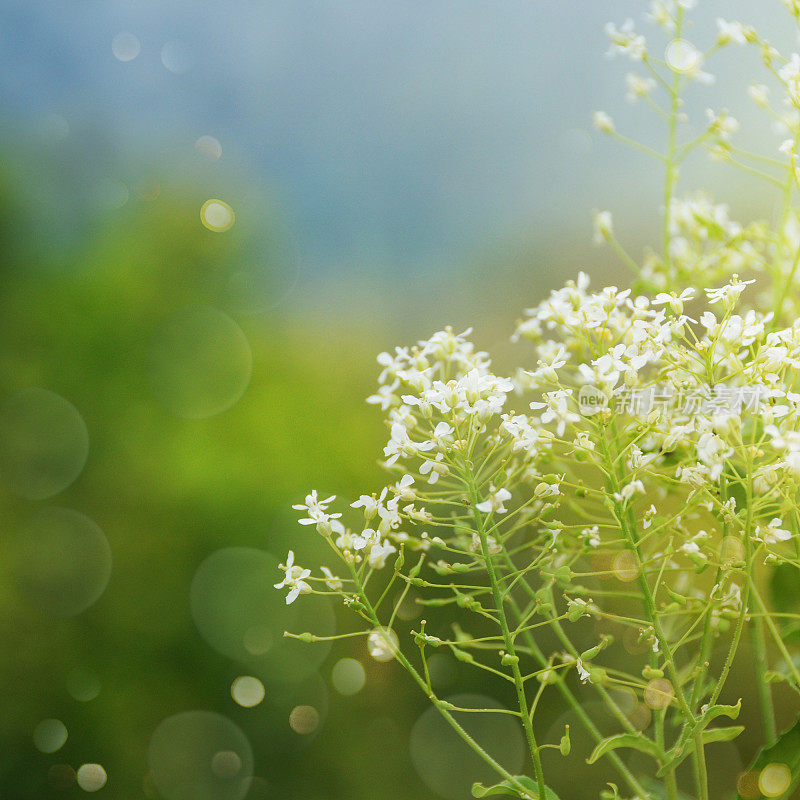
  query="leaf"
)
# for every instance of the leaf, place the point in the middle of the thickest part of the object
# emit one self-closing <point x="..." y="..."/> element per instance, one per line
<point x="721" y="734"/>
<point x="677" y="754"/>
<point x="531" y="787"/>
<point x="785" y="751"/>
<point x="682" y="748"/>
<point x="718" y="711"/>
<point x="634" y="741"/>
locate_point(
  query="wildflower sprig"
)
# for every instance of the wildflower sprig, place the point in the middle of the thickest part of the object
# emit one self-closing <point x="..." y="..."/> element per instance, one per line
<point x="604" y="517"/>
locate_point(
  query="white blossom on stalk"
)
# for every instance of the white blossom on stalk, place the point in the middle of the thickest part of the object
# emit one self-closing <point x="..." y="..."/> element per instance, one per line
<point x="294" y="577"/>
<point x="331" y="581"/>
<point x="626" y="41"/>
<point x="318" y="515"/>
<point x="773" y="533"/>
<point x="603" y="122"/>
<point x="494" y="503"/>
<point x="603" y="226"/>
<point x="734" y="32"/>
<point x="638" y="87"/>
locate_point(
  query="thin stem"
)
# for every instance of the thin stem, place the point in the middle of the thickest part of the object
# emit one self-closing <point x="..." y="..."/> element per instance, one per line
<point x="439" y="704"/>
<point x="508" y="639"/>
<point x="764" y="691"/>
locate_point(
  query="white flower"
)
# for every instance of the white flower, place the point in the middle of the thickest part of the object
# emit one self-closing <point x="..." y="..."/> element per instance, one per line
<point x="404" y="488"/>
<point x="331" y="581"/>
<point x="552" y="360"/>
<point x="603" y="122"/>
<point x="434" y="468"/>
<point x="638" y="86"/>
<point x="557" y="409"/>
<point x="384" y="397"/>
<point x="491" y="544"/>
<point x="294" y="577"/>
<point x="729" y="293"/>
<point x="626" y="41"/>
<point x="583" y="673"/>
<point x="369" y="503"/>
<point x="790" y="75"/>
<point x="722" y="126"/>
<point x="393" y="364"/>
<point x="592" y="536"/>
<point x="317" y="514"/>
<point x="675" y="301"/>
<point x="314" y="507"/>
<point x="759" y="94"/>
<point x="774" y="533"/>
<point x="628" y="491"/>
<point x="603" y="226"/>
<point x="495" y="502"/>
<point x="712" y="452"/>
<point x="401" y="444"/>
<point x="733" y="32"/>
<point x="378" y="553"/>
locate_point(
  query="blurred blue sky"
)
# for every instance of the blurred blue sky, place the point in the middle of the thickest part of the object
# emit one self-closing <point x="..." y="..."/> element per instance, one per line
<point x="395" y="135"/>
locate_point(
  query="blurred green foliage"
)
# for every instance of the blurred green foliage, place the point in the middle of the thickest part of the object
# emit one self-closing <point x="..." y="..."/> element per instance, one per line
<point x="168" y="491"/>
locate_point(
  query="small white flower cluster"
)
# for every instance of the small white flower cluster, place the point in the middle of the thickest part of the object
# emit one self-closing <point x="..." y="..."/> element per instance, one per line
<point x="515" y="500"/>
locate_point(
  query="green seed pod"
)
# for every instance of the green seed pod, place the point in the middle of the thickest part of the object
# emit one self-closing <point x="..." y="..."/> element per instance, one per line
<point x="649" y="673"/>
<point x="462" y="655"/>
<point x="598" y="675"/>
<point x="565" y="745"/>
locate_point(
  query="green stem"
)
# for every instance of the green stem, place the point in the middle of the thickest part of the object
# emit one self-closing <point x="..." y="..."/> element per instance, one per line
<point x="439" y="704"/>
<point x="764" y="692"/>
<point x="569" y="696"/>
<point x="508" y="639"/>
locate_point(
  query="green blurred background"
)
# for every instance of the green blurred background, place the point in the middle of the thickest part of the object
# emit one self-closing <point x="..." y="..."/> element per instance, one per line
<point x="392" y="168"/>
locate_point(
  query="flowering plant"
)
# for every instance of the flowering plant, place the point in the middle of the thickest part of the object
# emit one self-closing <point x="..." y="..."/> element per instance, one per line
<point x="609" y="517"/>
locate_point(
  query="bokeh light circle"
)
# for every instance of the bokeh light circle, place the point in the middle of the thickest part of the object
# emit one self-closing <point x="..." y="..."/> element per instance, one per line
<point x="91" y="777"/>
<point x="682" y="56"/>
<point x="201" y="363"/>
<point x="239" y="613"/>
<point x="209" y="147"/>
<point x="50" y="735"/>
<point x="217" y="215"/>
<point x="64" y="561"/>
<point x="446" y="764"/>
<point x="247" y="691"/>
<point x="125" y="46"/>
<point x="44" y="443"/>
<point x="658" y="693"/>
<point x="304" y="720"/>
<point x="348" y="676"/>
<point x="176" y="57"/>
<point x="775" y="779"/>
<point x="301" y="710"/>
<point x="200" y="755"/>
